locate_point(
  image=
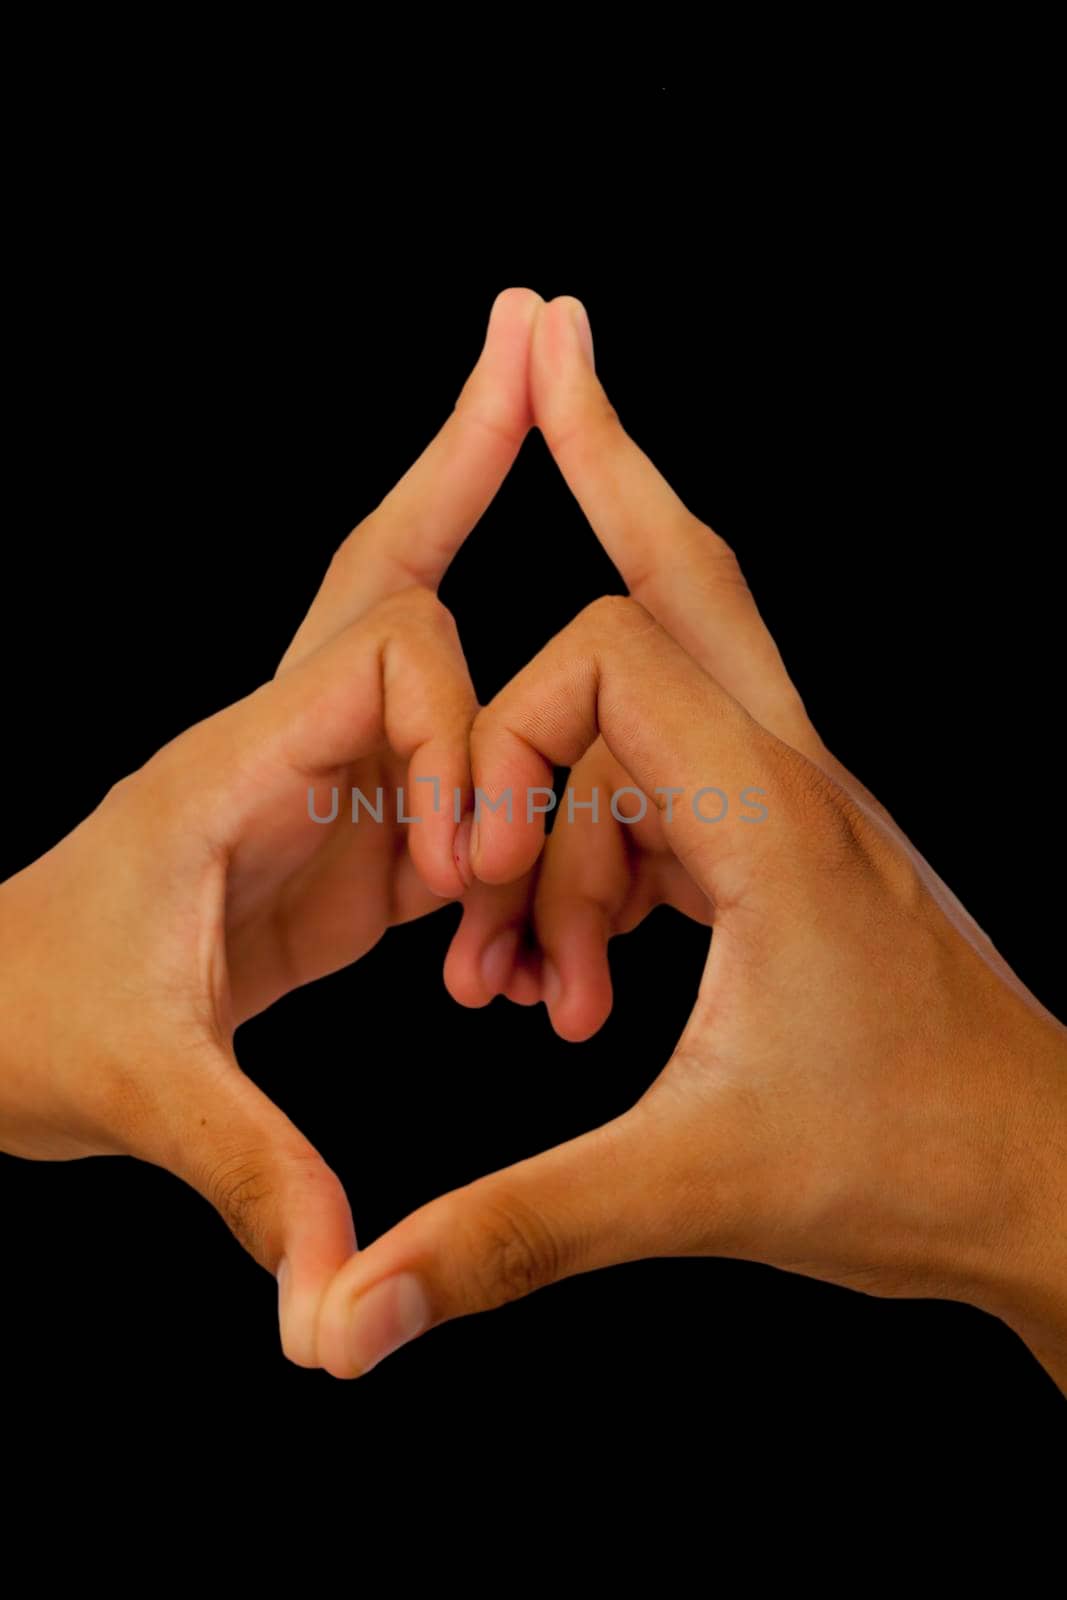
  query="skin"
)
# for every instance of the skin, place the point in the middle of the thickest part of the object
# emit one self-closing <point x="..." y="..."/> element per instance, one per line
<point x="913" y="1144"/>
<point x="864" y="1092"/>
<point x="199" y="891"/>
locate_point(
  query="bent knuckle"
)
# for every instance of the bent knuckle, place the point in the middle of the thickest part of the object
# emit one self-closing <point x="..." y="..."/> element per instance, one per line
<point x="238" y="1187"/>
<point x="417" y="606"/>
<point x="839" y="832"/>
<point x="439" y="617"/>
<point x="617" y="615"/>
<point x="604" y="416"/>
<point x="349" y="548"/>
<point x="728" y="567"/>
<point x="516" y="1250"/>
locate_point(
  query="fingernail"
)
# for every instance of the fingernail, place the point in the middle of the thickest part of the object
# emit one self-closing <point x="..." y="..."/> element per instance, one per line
<point x="294" y="1335"/>
<point x="386" y="1317"/>
<point x="499" y="960"/>
<point x="552" y="984"/>
<point x="461" y="850"/>
<point x="580" y="318"/>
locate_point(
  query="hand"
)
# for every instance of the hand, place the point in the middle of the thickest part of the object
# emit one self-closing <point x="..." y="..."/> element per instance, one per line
<point x="864" y="1093"/>
<point x="199" y="890"/>
<point x="594" y="881"/>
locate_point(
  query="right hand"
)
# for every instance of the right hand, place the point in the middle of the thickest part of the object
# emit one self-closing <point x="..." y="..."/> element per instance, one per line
<point x="594" y="881"/>
<point x="864" y="1092"/>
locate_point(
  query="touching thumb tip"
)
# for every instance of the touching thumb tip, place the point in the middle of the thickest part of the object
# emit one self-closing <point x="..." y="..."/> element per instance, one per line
<point x="491" y="1242"/>
<point x="386" y="1317"/>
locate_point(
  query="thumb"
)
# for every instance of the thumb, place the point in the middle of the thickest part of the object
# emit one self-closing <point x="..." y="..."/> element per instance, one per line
<point x="591" y="1202"/>
<point x="224" y="1137"/>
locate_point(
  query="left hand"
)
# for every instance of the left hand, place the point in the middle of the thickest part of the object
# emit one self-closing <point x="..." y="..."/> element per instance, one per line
<point x="199" y="890"/>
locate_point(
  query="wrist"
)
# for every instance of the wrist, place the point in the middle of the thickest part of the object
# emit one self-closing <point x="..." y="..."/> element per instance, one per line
<point x="1022" y="1277"/>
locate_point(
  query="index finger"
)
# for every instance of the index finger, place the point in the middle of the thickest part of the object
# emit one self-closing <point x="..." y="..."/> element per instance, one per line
<point x="421" y="523"/>
<point x="614" y="672"/>
<point x="672" y="563"/>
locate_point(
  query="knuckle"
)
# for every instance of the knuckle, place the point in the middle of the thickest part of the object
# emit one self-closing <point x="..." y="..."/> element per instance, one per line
<point x="840" y="833"/>
<point x="125" y="791"/>
<point x="617" y="614"/>
<point x="728" y="567"/>
<point x="239" y="1188"/>
<point x="438" y="616"/>
<point x="344" y="553"/>
<point x="515" y="1249"/>
<point x="604" y="414"/>
<point x="419" y="606"/>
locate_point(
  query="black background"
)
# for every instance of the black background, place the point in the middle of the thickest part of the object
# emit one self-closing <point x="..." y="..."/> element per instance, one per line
<point x="228" y="348"/>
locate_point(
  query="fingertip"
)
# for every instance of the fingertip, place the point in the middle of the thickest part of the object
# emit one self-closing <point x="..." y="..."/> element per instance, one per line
<point x="437" y="844"/>
<point x="480" y="963"/>
<point x="502" y="851"/>
<point x="512" y="318"/>
<point x="498" y="961"/>
<point x="563" y="381"/>
<point x="462" y="973"/>
<point x="579" y="1018"/>
<point x="524" y="988"/>
<point x="577" y="326"/>
<point x="517" y="300"/>
<point x="488" y="915"/>
<point x="319" y="1248"/>
<point x="433" y="854"/>
<point x="379" y="1298"/>
<point x="577" y="993"/>
<point x="564" y="334"/>
<point x="497" y="389"/>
